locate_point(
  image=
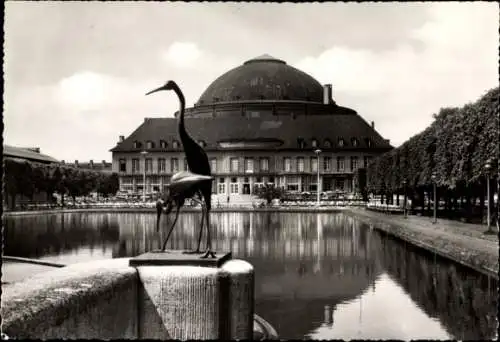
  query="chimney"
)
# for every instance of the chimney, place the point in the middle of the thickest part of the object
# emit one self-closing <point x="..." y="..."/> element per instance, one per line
<point x="327" y="94"/>
<point x="91" y="164"/>
<point x="76" y="163"/>
<point x="373" y="124"/>
<point x="104" y="163"/>
<point x="121" y="138"/>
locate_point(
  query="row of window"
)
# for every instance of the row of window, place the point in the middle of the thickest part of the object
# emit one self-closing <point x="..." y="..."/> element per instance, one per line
<point x="292" y="164"/>
<point x="289" y="164"/>
<point x="341" y="142"/>
<point x="300" y="142"/>
<point x="163" y="144"/>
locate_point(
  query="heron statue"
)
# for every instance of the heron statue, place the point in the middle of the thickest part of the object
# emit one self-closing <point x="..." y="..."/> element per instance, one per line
<point x="189" y="185"/>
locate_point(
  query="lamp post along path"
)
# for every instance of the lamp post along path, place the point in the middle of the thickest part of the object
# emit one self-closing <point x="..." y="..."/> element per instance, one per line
<point x="405" y="200"/>
<point x="318" y="151"/>
<point x="144" y="153"/>
<point x="433" y="176"/>
<point x="487" y="167"/>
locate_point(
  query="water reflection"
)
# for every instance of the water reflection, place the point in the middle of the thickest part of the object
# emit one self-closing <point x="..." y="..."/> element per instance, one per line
<point x="317" y="275"/>
<point x="465" y="302"/>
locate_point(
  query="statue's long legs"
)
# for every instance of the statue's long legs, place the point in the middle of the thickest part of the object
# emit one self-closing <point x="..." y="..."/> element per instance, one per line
<point x="209" y="251"/>
<point x="172" y="228"/>
<point x="203" y="208"/>
<point x="159" y="209"/>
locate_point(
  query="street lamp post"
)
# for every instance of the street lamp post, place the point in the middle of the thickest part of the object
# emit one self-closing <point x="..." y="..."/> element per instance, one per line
<point x="317" y="151"/>
<point x="433" y="177"/>
<point x="487" y="167"/>
<point x="404" y="204"/>
<point x="144" y="177"/>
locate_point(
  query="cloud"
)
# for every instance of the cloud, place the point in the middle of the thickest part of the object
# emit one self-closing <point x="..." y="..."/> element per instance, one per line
<point x="451" y="60"/>
<point x="183" y="54"/>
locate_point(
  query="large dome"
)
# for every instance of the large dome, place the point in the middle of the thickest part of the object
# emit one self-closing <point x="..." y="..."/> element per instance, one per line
<point x="263" y="78"/>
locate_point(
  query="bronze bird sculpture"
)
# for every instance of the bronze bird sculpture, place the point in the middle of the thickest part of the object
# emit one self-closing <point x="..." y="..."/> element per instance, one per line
<point x="197" y="161"/>
<point x="183" y="185"/>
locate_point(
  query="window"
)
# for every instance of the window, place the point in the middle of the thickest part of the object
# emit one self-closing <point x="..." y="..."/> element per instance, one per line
<point x="328" y="143"/>
<point x="150" y="144"/>
<point x="271" y="179"/>
<point x="234" y="185"/>
<point x="221" y="186"/>
<point x="249" y="165"/>
<point x="135" y="165"/>
<point x="300" y="164"/>
<point x="354" y="142"/>
<point x="340" y="163"/>
<point x="368" y="142"/>
<point x="163" y="144"/>
<point x="162" y="165"/>
<point x="175" y="144"/>
<point x="314" y="143"/>
<point x="234" y="164"/>
<point x="123" y="165"/>
<point x="213" y="165"/>
<point x="185" y="164"/>
<point x="341" y="142"/>
<point x="174" y="165"/>
<point x="287" y="164"/>
<point x="313" y="184"/>
<point x="264" y="164"/>
<point x="354" y="163"/>
<point x="327" y="163"/>
<point x="137" y="144"/>
<point x="149" y="165"/>
<point x="314" y="164"/>
<point x="292" y="183"/>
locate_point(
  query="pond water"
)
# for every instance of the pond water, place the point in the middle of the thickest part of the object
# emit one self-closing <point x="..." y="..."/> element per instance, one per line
<point x="318" y="276"/>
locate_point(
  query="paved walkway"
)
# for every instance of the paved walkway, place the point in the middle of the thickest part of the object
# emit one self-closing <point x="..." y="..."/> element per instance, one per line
<point x="462" y="242"/>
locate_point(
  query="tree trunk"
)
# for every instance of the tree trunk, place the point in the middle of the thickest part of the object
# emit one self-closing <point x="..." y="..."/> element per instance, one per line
<point x="422" y="201"/>
<point x="397" y="198"/>
<point x="491" y="200"/>
<point x="62" y="200"/>
<point x="429" y="203"/>
<point x="412" y="199"/>
<point x="382" y="198"/>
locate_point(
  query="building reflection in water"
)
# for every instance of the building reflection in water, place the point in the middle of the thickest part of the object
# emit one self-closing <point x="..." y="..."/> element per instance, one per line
<point x="317" y="275"/>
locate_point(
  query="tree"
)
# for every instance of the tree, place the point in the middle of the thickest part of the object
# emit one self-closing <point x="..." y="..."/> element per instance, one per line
<point x="455" y="147"/>
<point x="269" y="192"/>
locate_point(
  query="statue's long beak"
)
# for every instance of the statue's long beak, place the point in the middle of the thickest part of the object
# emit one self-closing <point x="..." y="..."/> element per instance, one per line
<point x="157" y="89"/>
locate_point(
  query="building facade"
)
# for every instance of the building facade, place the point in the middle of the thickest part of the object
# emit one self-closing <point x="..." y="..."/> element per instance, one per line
<point x="262" y="122"/>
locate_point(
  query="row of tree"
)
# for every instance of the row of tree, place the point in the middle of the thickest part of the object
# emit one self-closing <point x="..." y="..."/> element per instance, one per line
<point x="452" y="153"/>
<point x="28" y="179"/>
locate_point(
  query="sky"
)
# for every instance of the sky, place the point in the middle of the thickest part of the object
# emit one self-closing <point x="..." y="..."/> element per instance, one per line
<point x="76" y="73"/>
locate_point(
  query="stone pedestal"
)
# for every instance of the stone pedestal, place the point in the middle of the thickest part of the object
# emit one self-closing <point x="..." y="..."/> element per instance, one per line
<point x="184" y="297"/>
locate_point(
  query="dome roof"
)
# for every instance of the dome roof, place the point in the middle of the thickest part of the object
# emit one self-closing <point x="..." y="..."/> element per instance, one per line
<point x="263" y="78"/>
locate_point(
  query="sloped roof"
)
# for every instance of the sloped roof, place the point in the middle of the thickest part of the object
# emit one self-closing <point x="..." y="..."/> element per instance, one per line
<point x="263" y="78"/>
<point x="285" y="128"/>
<point x="26" y="154"/>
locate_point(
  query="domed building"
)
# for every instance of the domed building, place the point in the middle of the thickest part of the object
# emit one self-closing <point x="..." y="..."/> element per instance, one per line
<point x="261" y="122"/>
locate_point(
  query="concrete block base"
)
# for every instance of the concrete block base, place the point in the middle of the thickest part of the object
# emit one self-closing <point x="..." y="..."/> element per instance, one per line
<point x="194" y="302"/>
